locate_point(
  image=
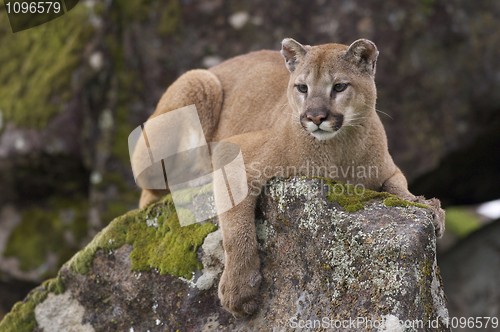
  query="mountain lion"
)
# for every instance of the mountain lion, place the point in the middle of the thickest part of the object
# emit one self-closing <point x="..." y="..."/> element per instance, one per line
<point x="315" y="108"/>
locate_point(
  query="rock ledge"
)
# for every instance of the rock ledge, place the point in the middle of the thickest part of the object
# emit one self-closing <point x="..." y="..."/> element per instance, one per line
<point x="323" y="268"/>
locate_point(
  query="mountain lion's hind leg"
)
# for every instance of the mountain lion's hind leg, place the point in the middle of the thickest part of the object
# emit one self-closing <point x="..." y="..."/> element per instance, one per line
<point x="199" y="87"/>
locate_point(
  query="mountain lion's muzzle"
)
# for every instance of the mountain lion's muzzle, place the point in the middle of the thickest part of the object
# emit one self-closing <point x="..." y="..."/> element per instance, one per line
<point x="321" y="119"/>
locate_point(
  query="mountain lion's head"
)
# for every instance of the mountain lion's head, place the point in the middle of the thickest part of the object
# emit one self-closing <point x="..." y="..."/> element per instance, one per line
<point x="331" y="86"/>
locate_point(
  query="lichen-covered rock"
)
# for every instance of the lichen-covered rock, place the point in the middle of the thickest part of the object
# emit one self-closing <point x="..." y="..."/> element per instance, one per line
<point x="370" y="269"/>
<point x="72" y="90"/>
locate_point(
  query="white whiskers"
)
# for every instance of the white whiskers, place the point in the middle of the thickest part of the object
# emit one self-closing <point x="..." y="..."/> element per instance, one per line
<point x="376" y="110"/>
<point x="295" y="115"/>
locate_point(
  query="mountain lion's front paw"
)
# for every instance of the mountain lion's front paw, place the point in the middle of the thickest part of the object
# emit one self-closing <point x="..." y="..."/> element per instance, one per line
<point x="238" y="291"/>
<point x="438" y="213"/>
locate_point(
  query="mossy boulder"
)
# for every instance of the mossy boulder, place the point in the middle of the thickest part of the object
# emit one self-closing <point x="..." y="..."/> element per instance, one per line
<point x="154" y="243"/>
<point x="35" y="76"/>
<point x="321" y="264"/>
<point x="159" y="241"/>
<point x="73" y="89"/>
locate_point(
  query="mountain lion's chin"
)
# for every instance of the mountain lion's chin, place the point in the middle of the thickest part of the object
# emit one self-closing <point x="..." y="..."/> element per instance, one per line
<point x="322" y="135"/>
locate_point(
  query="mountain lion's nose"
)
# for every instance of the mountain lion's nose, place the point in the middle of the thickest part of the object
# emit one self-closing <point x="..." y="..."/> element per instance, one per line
<point x="316" y="119"/>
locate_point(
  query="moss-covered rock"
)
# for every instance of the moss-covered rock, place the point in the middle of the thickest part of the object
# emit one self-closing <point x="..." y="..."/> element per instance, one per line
<point x="68" y="94"/>
<point x="22" y="316"/>
<point x="159" y="241"/>
<point x="436" y="77"/>
<point x="352" y="198"/>
<point x="36" y="72"/>
<point x="319" y="261"/>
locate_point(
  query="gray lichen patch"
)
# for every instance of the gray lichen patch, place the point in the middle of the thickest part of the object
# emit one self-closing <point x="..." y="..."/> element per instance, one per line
<point x="375" y="263"/>
<point x="61" y="313"/>
<point x="438" y="297"/>
<point x="281" y="189"/>
<point x="213" y="261"/>
<point x="262" y="230"/>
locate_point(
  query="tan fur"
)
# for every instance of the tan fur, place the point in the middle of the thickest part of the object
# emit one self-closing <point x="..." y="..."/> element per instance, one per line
<point x="252" y="100"/>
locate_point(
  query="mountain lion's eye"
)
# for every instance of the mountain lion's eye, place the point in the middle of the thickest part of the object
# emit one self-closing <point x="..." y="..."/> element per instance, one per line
<point x="339" y="87"/>
<point x="302" y="88"/>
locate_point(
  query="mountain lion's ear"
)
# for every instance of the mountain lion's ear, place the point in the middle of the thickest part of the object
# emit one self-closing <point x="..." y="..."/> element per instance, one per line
<point x="293" y="52"/>
<point x="365" y="54"/>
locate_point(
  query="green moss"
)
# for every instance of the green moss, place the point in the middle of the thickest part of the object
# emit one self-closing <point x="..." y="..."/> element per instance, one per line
<point x="352" y="199"/>
<point x="399" y="202"/>
<point x="167" y="247"/>
<point x="461" y="221"/>
<point x="42" y="231"/>
<point x="170" y="248"/>
<point x="22" y="316"/>
<point x="54" y="285"/>
<point x="37" y="67"/>
<point x="112" y="237"/>
<point x="186" y="215"/>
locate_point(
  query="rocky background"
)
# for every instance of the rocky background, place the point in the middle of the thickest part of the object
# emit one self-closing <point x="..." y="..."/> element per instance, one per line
<point x="73" y="89"/>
